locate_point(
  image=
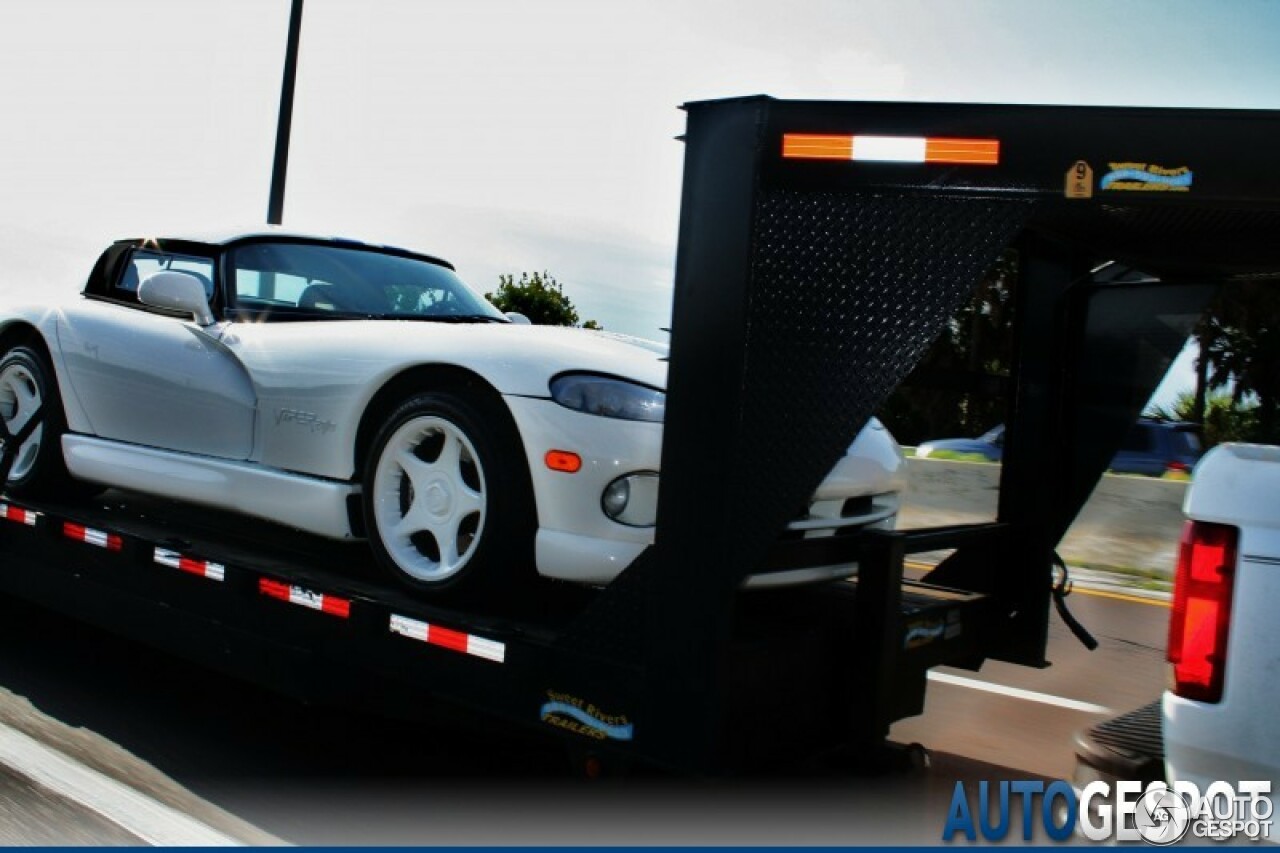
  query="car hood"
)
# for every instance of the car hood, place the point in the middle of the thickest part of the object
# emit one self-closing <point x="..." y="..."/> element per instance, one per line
<point x="514" y="358"/>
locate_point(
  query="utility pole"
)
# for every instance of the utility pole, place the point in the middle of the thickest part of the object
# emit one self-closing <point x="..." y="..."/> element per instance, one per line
<point x="280" y="170"/>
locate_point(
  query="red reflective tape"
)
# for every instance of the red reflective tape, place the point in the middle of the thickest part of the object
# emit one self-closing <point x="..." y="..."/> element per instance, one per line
<point x="17" y="514"/>
<point x="455" y="641"/>
<point x="336" y="606"/>
<point x="90" y="536"/>
<point x="446" y="638"/>
<point x="275" y="589"/>
<point x="331" y="604"/>
<point x="200" y="568"/>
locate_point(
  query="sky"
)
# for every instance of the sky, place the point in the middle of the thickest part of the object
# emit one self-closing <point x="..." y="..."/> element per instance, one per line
<point x="510" y="136"/>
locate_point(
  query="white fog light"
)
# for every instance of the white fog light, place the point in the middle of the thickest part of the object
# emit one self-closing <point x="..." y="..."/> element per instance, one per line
<point x="616" y="497"/>
<point x="632" y="500"/>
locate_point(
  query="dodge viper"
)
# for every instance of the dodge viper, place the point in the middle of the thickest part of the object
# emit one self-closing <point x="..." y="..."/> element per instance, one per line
<point x="354" y="390"/>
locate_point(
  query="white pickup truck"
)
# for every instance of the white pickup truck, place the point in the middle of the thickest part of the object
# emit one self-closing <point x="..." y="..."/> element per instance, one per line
<point x="1219" y="714"/>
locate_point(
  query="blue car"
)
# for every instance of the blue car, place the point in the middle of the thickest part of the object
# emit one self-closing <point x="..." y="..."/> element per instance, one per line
<point x="990" y="445"/>
<point x="1151" y="447"/>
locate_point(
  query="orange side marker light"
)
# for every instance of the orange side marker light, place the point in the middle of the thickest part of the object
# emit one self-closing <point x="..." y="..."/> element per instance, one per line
<point x="563" y="460"/>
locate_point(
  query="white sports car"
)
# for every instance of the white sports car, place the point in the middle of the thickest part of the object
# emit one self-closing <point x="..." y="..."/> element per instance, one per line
<point x="354" y="390"/>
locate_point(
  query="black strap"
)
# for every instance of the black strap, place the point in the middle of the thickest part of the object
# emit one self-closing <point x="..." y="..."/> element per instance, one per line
<point x="1061" y="589"/>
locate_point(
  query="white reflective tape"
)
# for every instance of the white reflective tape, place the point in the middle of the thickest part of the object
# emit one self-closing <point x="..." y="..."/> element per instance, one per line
<point x="96" y="537"/>
<point x="18" y="514"/>
<point x="330" y="604"/>
<point x="447" y="638"/>
<point x="889" y="149"/>
<point x="174" y="560"/>
<point x="411" y="628"/>
<point x="488" y="649"/>
<point x="305" y="597"/>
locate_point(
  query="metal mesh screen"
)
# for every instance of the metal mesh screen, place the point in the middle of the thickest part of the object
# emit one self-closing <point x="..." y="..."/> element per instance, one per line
<point x="847" y="294"/>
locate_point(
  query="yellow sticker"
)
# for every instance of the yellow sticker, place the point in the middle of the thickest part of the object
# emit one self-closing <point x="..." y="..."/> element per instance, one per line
<point x="1079" y="180"/>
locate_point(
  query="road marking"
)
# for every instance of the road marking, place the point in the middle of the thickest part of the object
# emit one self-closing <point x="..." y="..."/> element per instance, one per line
<point x="149" y="820"/>
<point x="1120" y="596"/>
<point x="1018" y="693"/>
<point x="1076" y="588"/>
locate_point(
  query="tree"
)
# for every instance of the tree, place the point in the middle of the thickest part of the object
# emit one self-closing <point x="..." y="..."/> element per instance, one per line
<point x="1222" y="419"/>
<point x="1240" y="350"/>
<point x="539" y="297"/>
<point x="954" y="390"/>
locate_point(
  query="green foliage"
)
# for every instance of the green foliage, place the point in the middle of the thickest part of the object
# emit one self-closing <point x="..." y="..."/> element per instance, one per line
<point x="1224" y="419"/>
<point x="539" y="297"/>
<point x="957" y="456"/>
<point x="1239" y="340"/>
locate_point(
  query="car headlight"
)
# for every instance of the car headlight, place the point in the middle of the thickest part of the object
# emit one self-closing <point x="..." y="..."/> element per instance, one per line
<point x="608" y="397"/>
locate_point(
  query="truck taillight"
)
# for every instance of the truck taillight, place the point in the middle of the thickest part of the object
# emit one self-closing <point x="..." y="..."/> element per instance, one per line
<point x="1201" y="614"/>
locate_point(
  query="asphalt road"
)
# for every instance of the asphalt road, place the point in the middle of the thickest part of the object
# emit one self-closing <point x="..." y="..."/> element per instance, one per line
<point x="1125" y="672"/>
<point x="260" y="767"/>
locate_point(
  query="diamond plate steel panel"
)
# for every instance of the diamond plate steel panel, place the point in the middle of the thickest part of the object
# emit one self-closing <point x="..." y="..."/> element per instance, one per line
<point x="847" y="294"/>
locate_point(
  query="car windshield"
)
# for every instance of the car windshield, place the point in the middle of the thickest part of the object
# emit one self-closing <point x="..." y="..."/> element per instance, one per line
<point x="297" y="280"/>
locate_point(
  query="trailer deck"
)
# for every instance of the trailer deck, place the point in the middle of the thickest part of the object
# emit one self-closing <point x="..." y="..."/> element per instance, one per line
<point x="314" y="619"/>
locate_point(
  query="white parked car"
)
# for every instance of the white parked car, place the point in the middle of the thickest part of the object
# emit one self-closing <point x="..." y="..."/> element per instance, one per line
<point x="1224" y="639"/>
<point x="354" y="390"/>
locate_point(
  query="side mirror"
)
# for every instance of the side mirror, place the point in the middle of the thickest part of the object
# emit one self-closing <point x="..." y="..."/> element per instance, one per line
<point x="176" y="291"/>
<point x="519" y="319"/>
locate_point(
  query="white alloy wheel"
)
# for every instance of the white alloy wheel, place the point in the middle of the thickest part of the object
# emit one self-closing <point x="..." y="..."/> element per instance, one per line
<point x="429" y="501"/>
<point x="19" y="400"/>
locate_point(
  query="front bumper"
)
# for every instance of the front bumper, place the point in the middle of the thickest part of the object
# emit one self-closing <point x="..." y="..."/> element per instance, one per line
<point x="576" y="541"/>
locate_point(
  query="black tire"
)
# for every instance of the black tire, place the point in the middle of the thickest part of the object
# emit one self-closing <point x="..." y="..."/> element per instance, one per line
<point x="495" y="547"/>
<point x="43" y="473"/>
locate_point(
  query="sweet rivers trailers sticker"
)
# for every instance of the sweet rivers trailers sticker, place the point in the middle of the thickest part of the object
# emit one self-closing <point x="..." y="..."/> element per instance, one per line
<point x="1147" y="177"/>
<point x="572" y="714"/>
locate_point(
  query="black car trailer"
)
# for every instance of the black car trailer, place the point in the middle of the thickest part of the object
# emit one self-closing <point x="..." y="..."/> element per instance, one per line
<point x="823" y="246"/>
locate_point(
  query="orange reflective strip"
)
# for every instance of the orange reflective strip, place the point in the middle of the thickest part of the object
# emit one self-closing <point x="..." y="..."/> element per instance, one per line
<point x="941" y="149"/>
<point x="976" y="152"/>
<point x="808" y="146"/>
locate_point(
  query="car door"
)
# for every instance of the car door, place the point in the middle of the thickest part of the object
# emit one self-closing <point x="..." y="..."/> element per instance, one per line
<point x="148" y="377"/>
<point x="1138" y="454"/>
